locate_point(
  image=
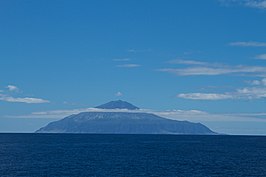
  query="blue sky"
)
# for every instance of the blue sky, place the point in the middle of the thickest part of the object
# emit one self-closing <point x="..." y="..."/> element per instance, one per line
<point x="203" y="62"/>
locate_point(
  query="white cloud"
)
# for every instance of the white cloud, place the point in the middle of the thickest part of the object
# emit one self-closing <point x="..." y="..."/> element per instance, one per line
<point x="121" y="59"/>
<point x="261" y="82"/>
<point x="257" y="91"/>
<point x="138" y="50"/>
<point x="119" y="94"/>
<point x="243" y="93"/>
<point x="29" y="100"/>
<point x="200" y="116"/>
<point x="204" y="96"/>
<point x="12" y="88"/>
<point x="260" y="4"/>
<point x="67" y="112"/>
<point x="22" y="100"/>
<point x="203" y="68"/>
<point x="261" y="57"/>
<point x="252" y="93"/>
<point x="181" y="115"/>
<point x="128" y="66"/>
<point x="195" y="71"/>
<point x="248" y="44"/>
<point x="218" y="70"/>
<point x="208" y="119"/>
<point x="125" y="64"/>
<point x="132" y="50"/>
<point x="187" y="62"/>
<point x="69" y="103"/>
<point x="64" y="113"/>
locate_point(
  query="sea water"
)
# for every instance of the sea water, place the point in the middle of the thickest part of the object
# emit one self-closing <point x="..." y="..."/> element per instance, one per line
<point x="131" y="155"/>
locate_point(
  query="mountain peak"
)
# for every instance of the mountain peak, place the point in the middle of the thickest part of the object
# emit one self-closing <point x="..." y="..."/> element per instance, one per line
<point x="118" y="104"/>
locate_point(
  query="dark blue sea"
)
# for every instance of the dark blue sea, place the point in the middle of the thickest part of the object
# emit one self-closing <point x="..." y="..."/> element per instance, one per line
<point x="80" y="155"/>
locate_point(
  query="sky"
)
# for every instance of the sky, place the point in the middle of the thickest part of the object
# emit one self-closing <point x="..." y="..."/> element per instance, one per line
<point x="186" y="60"/>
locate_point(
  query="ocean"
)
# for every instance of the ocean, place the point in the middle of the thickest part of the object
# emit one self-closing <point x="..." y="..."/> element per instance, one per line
<point x="77" y="155"/>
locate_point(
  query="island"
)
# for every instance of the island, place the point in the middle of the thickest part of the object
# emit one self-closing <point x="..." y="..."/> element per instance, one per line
<point x="121" y="117"/>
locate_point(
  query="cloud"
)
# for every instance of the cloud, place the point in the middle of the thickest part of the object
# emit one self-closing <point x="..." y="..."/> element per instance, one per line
<point x="252" y="93"/>
<point x="258" y="82"/>
<point x="67" y="112"/>
<point x="128" y="65"/>
<point x="248" y="44"/>
<point x="12" y="88"/>
<point x="195" y="71"/>
<point x="260" y="4"/>
<point x="203" y="68"/>
<point x="119" y="94"/>
<point x="121" y="59"/>
<point x="209" y="119"/>
<point x="138" y="50"/>
<point x="261" y="57"/>
<point x="200" y="116"/>
<point x="132" y="50"/>
<point x="181" y="115"/>
<point x="204" y="96"/>
<point x="22" y="100"/>
<point x="187" y="62"/>
<point x="258" y="89"/>
<point x="69" y="103"/>
<point x="125" y="63"/>
<point x="257" y="92"/>
<point x="216" y="70"/>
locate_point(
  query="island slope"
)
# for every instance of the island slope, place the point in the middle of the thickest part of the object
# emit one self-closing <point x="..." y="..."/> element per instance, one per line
<point x="123" y="123"/>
